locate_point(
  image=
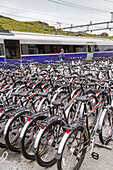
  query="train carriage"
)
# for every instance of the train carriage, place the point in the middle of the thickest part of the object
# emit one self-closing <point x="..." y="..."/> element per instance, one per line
<point x="40" y="47"/>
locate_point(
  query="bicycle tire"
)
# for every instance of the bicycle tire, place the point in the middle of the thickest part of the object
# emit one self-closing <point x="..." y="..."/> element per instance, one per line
<point x="14" y="145"/>
<point x="23" y="144"/>
<point x="52" y="160"/>
<point x="70" y="153"/>
<point x="105" y="134"/>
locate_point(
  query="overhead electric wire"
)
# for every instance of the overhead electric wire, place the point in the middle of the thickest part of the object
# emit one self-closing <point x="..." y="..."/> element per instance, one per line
<point x="81" y="7"/>
<point x="45" y="15"/>
<point x="35" y="19"/>
<point x="108" y="1"/>
<point x="41" y="13"/>
<point x="44" y="20"/>
<point x="60" y="2"/>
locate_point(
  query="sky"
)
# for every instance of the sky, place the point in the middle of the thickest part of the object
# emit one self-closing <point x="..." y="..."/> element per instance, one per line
<point x="66" y="12"/>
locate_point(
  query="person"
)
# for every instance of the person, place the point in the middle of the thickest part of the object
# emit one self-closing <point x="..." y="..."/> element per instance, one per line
<point x="61" y="56"/>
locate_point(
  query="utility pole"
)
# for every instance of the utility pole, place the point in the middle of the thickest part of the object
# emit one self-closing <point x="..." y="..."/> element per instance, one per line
<point x="71" y="27"/>
<point x="112" y="16"/>
<point x="59" y="25"/>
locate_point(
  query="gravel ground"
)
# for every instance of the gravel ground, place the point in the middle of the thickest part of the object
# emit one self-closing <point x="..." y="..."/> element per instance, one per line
<point x="105" y="161"/>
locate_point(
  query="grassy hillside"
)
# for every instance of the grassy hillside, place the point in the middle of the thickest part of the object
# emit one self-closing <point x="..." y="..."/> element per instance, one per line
<point x="36" y="26"/>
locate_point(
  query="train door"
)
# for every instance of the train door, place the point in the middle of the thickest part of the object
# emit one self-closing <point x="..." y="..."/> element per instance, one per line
<point x="12" y="50"/>
<point x="90" y="47"/>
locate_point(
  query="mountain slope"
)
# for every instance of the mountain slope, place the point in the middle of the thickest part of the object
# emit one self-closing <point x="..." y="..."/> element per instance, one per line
<point x="36" y="26"/>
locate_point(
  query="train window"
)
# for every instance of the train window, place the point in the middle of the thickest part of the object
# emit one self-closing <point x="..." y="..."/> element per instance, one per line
<point x="79" y="48"/>
<point x="29" y="49"/>
<point x="24" y="48"/>
<point x="74" y="48"/>
<point x="90" y="48"/>
<point x="96" y="48"/>
<point x="33" y="49"/>
<point x="66" y="48"/>
<point x="54" y="48"/>
<point x="41" y="49"/>
<point x="1" y="50"/>
<point x="47" y="49"/>
<point x="12" y="49"/>
<point x="104" y="48"/>
<point x="71" y="48"/>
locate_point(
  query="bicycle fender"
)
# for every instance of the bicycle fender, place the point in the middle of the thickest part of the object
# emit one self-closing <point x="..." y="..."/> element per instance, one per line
<point x="40" y="104"/>
<point x="42" y="130"/>
<point x="24" y="130"/>
<point x="38" y="117"/>
<point x="61" y="146"/>
<point x="7" y="126"/>
<point x="19" y="114"/>
<point x="54" y="97"/>
<point x="64" y="140"/>
<point x="74" y="92"/>
<point x="38" y="139"/>
<point x="68" y="109"/>
<point x="10" y="121"/>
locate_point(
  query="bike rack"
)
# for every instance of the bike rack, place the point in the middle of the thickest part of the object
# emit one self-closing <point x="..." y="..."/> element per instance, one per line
<point x="104" y="146"/>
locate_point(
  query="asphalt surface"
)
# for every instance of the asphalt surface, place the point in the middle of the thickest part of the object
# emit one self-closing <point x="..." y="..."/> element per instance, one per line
<point x="105" y="161"/>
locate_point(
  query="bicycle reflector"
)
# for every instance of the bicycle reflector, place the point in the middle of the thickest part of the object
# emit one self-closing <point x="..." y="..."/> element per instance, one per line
<point x="28" y="119"/>
<point x="42" y="127"/>
<point x="9" y="116"/>
<point x="67" y="131"/>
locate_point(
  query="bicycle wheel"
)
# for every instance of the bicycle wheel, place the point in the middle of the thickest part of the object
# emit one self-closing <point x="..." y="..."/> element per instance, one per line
<point x="74" y="150"/>
<point x="45" y="106"/>
<point x="72" y="113"/>
<point x="90" y="106"/>
<point x="27" y="142"/>
<point x="48" y="144"/>
<point x="105" y="133"/>
<point x="13" y="132"/>
<point x="3" y="121"/>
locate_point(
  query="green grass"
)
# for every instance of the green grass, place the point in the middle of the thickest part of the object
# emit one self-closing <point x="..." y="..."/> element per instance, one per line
<point x="36" y="26"/>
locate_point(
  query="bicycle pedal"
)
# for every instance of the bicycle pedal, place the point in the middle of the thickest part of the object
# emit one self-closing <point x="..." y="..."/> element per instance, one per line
<point x="95" y="155"/>
<point x="53" y="144"/>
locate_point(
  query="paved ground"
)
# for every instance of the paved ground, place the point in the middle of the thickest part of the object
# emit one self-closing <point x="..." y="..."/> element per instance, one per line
<point x="105" y="161"/>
